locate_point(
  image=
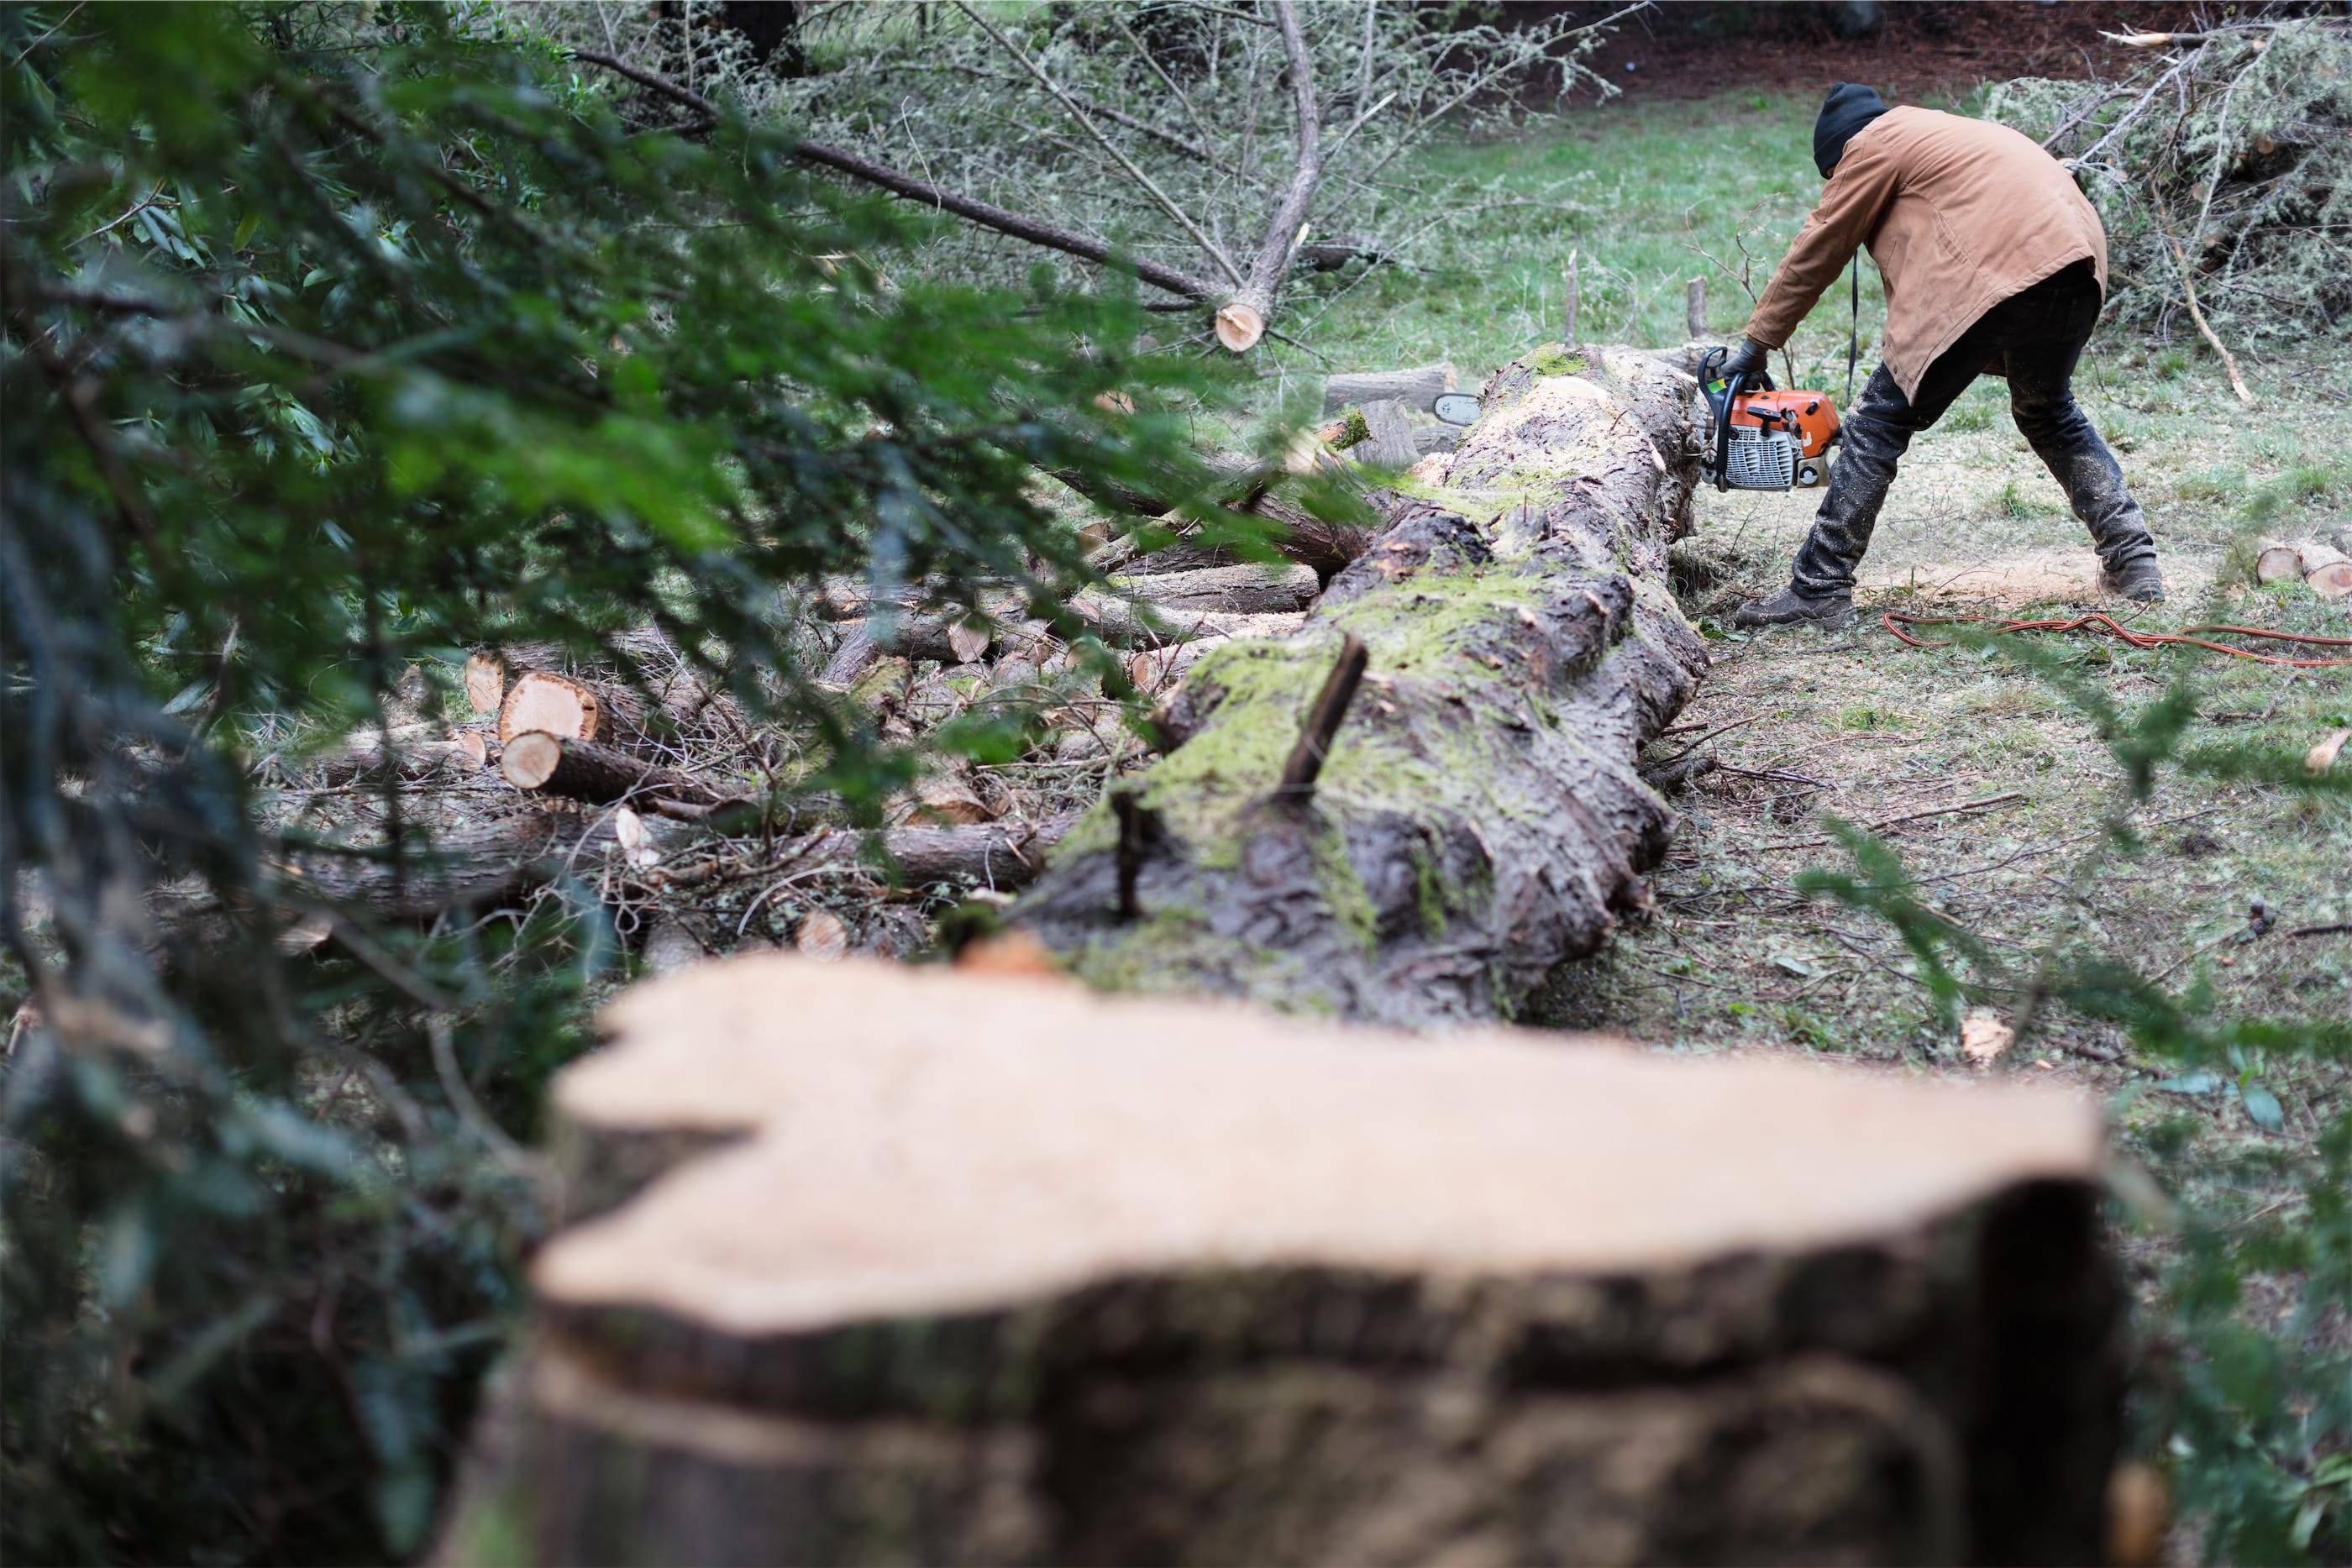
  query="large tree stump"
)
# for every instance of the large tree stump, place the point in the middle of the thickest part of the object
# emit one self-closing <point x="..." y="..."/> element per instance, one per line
<point x="1479" y="817"/>
<point x="874" y="1263"/>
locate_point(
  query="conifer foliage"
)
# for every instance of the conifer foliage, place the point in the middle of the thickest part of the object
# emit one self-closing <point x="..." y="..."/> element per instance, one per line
<point x="339" y="339"/>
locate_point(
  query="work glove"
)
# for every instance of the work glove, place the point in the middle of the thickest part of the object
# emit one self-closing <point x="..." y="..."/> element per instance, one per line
<point x="1745" y="358"/>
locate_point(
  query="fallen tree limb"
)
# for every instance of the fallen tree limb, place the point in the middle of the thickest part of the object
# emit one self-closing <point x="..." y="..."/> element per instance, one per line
<point x="1247" y="590"/>
<point x="604" y="774"/>
<point x="1302" y="537"/>
<point x="1417" y="386"/>
<point x="1013" y="225"/>
<point x="1479" y="817"/>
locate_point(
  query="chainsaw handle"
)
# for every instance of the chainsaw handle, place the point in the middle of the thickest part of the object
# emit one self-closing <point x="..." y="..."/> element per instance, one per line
<point x="1720" y="393"/>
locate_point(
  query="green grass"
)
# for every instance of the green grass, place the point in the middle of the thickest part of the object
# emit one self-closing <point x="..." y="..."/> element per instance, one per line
<point x="1638" y="191"/>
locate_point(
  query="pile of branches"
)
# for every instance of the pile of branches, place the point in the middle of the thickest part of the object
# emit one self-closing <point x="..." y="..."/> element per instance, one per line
<point x="2223" y="169"/>
<point x="1217" y="151"/>
<point x="633" y="779"/>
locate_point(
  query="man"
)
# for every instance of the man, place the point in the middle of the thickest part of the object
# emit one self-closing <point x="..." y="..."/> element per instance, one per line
<point x="1995" y="265"/>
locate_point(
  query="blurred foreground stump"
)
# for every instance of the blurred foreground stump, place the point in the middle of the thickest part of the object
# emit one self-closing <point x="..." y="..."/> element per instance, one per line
<point x="868" y="1263"/>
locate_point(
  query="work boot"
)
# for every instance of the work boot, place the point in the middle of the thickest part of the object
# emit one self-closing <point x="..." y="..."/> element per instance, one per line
<point x="2137" y="580"/>
<point x="1791" y="608"/>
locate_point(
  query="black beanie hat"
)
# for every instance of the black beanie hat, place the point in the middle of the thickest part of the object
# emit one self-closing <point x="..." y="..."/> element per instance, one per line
<point x="1847" y="109"/>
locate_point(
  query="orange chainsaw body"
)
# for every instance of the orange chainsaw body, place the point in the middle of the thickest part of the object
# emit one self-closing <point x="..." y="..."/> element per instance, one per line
<point x="1809" y="417"/>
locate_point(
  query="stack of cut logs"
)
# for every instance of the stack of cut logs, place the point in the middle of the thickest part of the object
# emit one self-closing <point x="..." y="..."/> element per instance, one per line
<point x="2321" y="566"/>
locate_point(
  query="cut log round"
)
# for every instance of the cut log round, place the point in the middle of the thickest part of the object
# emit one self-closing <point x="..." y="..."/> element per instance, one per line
<point x="2278" y="563"/>
<point x="2326" y="571"/>
<point x="821" y="935"/>
<point x="557" y="704"/>
<point x="1037" y="1274"/>
<point x="1417" y="387"/>
<point x="1239" y="326"/>
<point x="485" y="683"/>
<point x="603" y="775"/>
<point x="1480" y="818"/>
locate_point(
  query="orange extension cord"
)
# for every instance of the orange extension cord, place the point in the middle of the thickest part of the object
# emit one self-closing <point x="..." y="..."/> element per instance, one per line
<point x="1894" y="620"/>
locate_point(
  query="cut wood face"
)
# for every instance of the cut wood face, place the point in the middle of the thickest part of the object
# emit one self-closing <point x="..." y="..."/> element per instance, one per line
<point x="530" y="759"/>
<point x="485" y="683"/>
<point x="953" y="1142"/>
<point x="549" y="702"/>
<point x="1239" y="326"/>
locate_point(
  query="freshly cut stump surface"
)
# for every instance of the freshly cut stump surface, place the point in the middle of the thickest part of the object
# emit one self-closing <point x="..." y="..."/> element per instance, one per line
<point x="876" y="1263"/>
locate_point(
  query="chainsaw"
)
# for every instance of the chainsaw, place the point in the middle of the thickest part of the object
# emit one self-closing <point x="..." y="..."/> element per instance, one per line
<point x="1765" y="440"/>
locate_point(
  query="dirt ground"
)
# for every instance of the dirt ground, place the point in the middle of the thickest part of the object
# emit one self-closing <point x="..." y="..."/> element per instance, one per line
<point x="1680" y="52"/>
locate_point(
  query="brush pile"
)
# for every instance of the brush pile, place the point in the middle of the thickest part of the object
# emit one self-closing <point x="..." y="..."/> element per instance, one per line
<point x="634" y="780"/>
<point x="2223" y="169"/>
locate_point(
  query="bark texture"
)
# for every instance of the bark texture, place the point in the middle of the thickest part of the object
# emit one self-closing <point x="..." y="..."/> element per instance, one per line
<point x="1479" y="817"/>
<point x="1034" y="1275"/>
<point x="1418" y="386"/>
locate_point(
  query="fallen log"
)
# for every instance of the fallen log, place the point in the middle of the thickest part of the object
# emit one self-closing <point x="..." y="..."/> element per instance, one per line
<point x="1126" y="624"/>
<point x="603" y="775"/>
<point x="2324" y="568"/>
<point x="482" y="866"/>
<point x="571" y="708"/>
<point x="1387" y="436"/>
<point x="1299" y="536"/>
<point x="1034" y="1275"/>
<point x="1244" y="589"/>
<point x="1480" y="817"/>
<point x="426" y="754"/>
<point x="1417" y="387"/>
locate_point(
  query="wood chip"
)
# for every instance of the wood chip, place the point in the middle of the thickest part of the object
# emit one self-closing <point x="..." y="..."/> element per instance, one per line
<point x="822" y="937"/>
<point x="2322" y="756"/>
<point x="1984" y="1037"/>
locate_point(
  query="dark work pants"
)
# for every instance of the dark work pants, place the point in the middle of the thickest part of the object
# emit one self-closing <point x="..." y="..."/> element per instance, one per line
<point x="2035" y="337"/>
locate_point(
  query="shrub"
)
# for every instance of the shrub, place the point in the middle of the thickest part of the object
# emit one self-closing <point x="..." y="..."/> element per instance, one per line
<point x="336" y="339"/>
<point x="2239" y="144"/>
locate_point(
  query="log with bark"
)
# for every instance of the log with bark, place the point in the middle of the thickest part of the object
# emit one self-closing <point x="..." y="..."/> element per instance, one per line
<point x="2324" y="568"/>
<point x="1417" y="387"/>
<point x="1297" y="534"/>
<point x="1387" y="436"/>
<point x="1243" y="588"/>
<point x="1480" y="818"/>
<point x="1034" y="1275"/>
<point x="604" y="774"/>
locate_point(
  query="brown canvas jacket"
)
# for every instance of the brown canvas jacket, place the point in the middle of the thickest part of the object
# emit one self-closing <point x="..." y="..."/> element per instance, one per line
<point x="1958" y="213"/>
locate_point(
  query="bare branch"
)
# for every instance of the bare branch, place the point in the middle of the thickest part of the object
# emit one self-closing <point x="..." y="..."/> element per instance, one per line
<point x="1183" y="219"/>
<point x="985" y="214"/>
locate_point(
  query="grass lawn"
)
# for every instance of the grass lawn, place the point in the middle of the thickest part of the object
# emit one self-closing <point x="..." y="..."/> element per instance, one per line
<point x="1854" y="725"/>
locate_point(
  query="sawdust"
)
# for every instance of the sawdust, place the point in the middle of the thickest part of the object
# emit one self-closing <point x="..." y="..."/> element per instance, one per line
<point x="2017" y="579"/>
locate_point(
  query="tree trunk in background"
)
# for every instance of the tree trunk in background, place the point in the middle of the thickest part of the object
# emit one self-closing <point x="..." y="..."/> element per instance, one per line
<point x="1479" y="817"/>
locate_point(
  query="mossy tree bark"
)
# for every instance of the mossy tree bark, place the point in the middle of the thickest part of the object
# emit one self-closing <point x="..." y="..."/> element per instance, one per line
<point x="1480" y="819"/>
